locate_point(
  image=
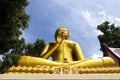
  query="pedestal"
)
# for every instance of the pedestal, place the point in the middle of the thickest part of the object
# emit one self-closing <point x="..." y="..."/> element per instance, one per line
<point x="60" y="77"/>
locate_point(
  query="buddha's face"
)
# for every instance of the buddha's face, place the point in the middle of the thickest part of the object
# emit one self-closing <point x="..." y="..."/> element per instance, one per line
<point x="62" y="32"/>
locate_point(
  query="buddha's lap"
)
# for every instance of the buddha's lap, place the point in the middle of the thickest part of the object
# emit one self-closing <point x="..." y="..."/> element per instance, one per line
<point x="97" y="62"/>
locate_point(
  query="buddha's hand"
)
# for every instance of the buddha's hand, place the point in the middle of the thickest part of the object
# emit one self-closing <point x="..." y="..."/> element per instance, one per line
<point x="59" y="39"/>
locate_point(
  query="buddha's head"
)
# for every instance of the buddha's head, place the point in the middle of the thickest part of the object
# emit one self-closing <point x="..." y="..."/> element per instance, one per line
<point x="62" y="32"/>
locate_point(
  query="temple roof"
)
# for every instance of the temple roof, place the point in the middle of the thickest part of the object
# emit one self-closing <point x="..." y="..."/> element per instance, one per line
<point x="113" y="51"/>
<point x="116" y="51"/>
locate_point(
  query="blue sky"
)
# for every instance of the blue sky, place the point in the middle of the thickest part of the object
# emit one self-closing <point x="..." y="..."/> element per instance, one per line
<point x="81" y="17"/>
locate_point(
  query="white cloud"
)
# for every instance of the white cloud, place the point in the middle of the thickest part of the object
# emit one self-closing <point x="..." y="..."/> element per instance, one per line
<point x="107" y="17"/>
<point x="89" y="17"/>
<point x="95" y="55"/>
<point x="117" y="19"/>
<point x="95" y="18"/>
<point x="102" y="13"/>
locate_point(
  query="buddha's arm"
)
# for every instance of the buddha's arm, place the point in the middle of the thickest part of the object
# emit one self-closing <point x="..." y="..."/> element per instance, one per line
<point x="78" y="52"/>
<point x="48" y="51"/>
<point x="45" y="49"/>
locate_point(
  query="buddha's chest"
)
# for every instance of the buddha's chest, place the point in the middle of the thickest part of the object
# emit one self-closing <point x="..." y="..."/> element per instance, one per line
<point x="64" y="48"/>
<point x="63" y="52"/>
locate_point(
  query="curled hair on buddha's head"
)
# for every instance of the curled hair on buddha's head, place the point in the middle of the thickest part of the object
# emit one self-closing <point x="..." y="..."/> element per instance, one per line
<point x="56" y="32"/>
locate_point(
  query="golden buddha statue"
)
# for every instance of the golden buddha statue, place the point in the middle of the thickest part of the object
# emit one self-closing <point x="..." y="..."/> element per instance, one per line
<point x="64" y="52"/>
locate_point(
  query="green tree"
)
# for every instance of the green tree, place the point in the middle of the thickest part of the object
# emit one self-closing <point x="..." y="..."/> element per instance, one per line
<point x="110" y="36"/>
<point x="38" y="47"/>
<point x="30" y="49"/>
<point x="9" y="60"/>
<point x="19" y="47"/>
<point x="34" y="49"/>
<point x="0" y="63"/>
<point x="13" y="20"/>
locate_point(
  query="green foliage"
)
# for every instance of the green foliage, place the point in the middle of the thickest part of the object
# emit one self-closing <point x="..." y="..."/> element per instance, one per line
<point x="19" y="47"/>
<point x="34" y="49"/>
<point x="0" y="63"/>
<point x="12" y="20"/>
<point x="9" y="60"/>
<point x="110" y="36"/>
<point x="30" y="49"/>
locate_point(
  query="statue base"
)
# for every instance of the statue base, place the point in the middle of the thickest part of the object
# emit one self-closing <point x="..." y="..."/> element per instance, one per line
<point x="61" y="73"/>
<point x="61" y="70"/>
<point x="60" y="77"/>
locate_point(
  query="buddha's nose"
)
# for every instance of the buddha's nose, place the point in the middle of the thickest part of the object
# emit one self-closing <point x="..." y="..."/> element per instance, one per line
<point x="61" y="32"/>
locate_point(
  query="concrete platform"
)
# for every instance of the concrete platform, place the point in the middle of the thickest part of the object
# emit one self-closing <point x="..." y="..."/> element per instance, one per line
<point x="60" y="77"/>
